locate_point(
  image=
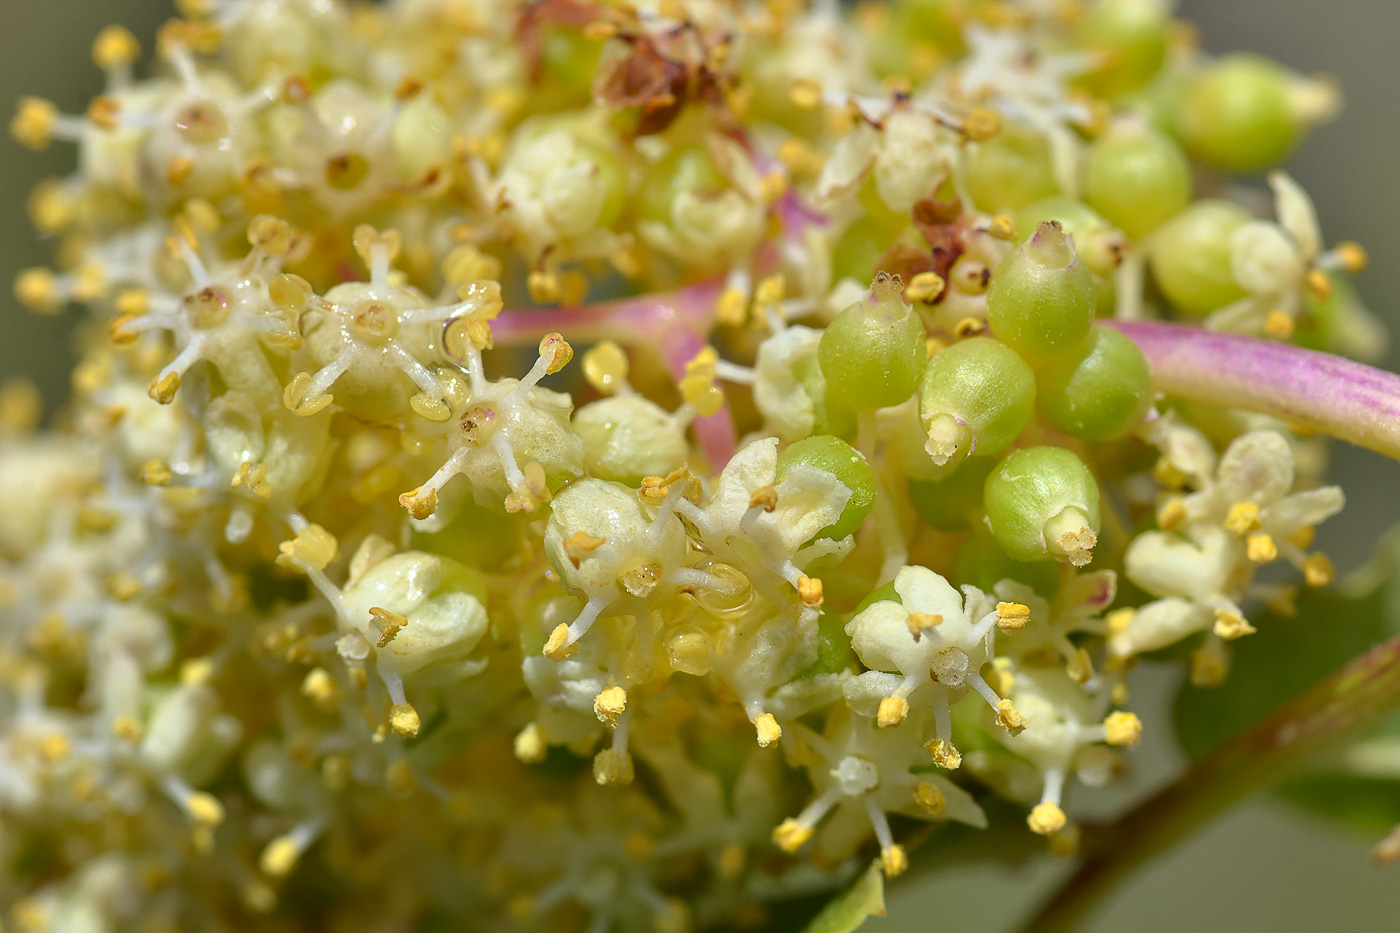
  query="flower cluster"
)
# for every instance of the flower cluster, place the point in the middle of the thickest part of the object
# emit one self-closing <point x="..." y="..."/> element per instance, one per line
<point x="608" y="466"/>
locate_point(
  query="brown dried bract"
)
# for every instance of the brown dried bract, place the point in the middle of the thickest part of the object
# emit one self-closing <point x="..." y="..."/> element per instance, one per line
<point x="529" y="27"/>
<point x="647" y="79"/>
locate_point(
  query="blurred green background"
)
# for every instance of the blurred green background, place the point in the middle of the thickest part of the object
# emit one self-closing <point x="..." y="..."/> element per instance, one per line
<point x="1264" y="868"/>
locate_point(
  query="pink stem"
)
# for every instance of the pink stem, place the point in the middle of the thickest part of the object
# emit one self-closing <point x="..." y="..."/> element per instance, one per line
<point x="674" y="323"/>
<point x="1313" y="390"/>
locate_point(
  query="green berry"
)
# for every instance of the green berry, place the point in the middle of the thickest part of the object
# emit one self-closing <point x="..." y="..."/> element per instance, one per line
<point x="844" y="462"/>
<point x="1041" y="300"/>
<point x="881" y="594"/>
<point x="1043" y="504"/>
<point x="978" y="396"/>
<point x="1131" y="36"/>
<point x="1010" y="170"/>
<point x="1100" y="393"/>
<point x="688" y="169"/>
<point x="1191" y="256"/>
<point x="949" y="503"/>
<point x="1238" y="114"/>
<point x="1137" y="177"/>
<point x="834" y="653"/>
<point x="873" y="353"/>
<point x="829" y="415"/>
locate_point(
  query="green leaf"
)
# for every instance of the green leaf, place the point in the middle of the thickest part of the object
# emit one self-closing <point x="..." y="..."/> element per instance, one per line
<point x="1289" y="655"/>
<point x="849" y="910"/>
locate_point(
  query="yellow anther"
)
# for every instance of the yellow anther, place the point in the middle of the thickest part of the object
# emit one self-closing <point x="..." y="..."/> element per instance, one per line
<point x="1046" y="818"/>
<point x="252" y="477"/>
<point x="732" y="308"/>
<point x="772" y="187"/>
<point x="1000" y="677"/>
<point x="33" y="123"/>
<point x="104" y="112"/>
<point x="543" y="286"/>
<point x="1319" y="285"/>
<point x="115" y="47"/>
<point x="1209" y="667"/>
<point x="1079" y="668"/>
<point x="1278" y="325"/>
<point x="791" y="835"/>
<point x="1230" y="625"/>
<point x="467" y="264"/>
<point x="1353" y="256"/>
<point x="1122" y="728"/>
<point x="611" y="766"/>
<point x="387" y="624"/>
<point x="893" y="712"/>
<point x="54" y="747"/>
<point x="1260" y="548"/>
<point x="128" y="729"/>
<point x="609" y="705"/>
<point x="605" y="367"/>
<point x="155" y="473"/>
<point x="529" y="745"/>
<point x="1318" y="570"/>
<point x="122" y="586"/>
<point x="809" y="590"/>
<point x="204" y="809"/>
<point x="272" y="235"/>
<point x="768" y="730"/>
<point x="419" y="504"/>
<point x="196" y="671"/>
<point x="805" y="93"/>
<point x="557" y="646"/>
<point x="163" y="388"/>
<point x="1118" y="621"/>
<point x="556" y="352"/>
<point x="1242" y="519"/>
<point x="580" y="545"/>
<point x="765" y="498"/>
<point x="279" y="856"/>
<point x="599" y="31"/>
<point x="1012" y="616"/>
<point x="313" y="546"/>
<point x="770" y="290"/>
<point x="981" y="124"/>
<point x="969" y="327"/>
<point x="1167" y="473"/>
<point x="1010" y="718"/>
<point x="925" y="287"/>
<point x="320" y="688"/>
<point x="1003" y="227"/>
<point x="920" y="622"/>
<point x="943" y="754"/>
<point x="929" y="798"/>
<point x="403" y="719"/>
<point x="1303" y="537"/>
<point x="894" y="861"/>
<point x="37" y="289"/>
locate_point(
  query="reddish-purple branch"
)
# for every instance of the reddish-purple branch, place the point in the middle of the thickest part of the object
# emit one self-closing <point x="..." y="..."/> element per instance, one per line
<point x="674" y="324"/>
<point x="1312" y="390"/>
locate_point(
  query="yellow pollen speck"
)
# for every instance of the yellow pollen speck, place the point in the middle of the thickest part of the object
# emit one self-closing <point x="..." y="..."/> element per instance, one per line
<point x="609" y="705"/>
<point x="1231" y="625"/>
<point x="920" y="622"/>
<point x="543" y="286"/>
<point x="1279" y="325"/>
<point x="155" y="473"/>
<point x="894" y="861"/>
<point x="54" y="747"/>
<point x="981" y="124"/>
<point x="1260" y="548"/>
<point x="943" y="754"/>
<point x="1353" y="256"/>
<point x="403" y="719"/>
<point x="1003" y="228"/>
<point x="279" y="857"/>
<point x="1318" y="570"/>
<point x="1122" y="728"/>
<point x="128" y="729"/>
<point x="557" y="647"/>
<point x="1319" y="285"/>
<point x="320" y="687"/>
<point x="969" y="327"/>
<point x="809" y="590"/>
<point x="204" y="809"/>
<point x="791" y="835"/>
<point x="605" y="367"/>
<point x="805" y="93"/>
<point x="313" y="546"/>
<point x="893" y="712"/>
<point x="529" y="745"/>
<point x="1242" y="519"/>
<point x="768" y="730"/>
<point x="33" y="123"/>
<point x="732" y="308"/>
<point x="37" y="290"/>
<point x="613" y="767"/>
<point x="1046" y="818"/>
<point x="1010" y="718"/>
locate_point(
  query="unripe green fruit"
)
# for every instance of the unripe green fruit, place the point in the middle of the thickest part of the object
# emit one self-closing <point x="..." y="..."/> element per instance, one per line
<point x="1132" y="36"/>
<point x="1097" y="242"/>
<point x="949" y="503"/>
<point x="977" y="397"/>
<point x="627" y="437"/>
<point x="1041" y="300"/>
<point x="1191" y="256"/>
<point x="1010" y="170"/>
<point x="1100" y="393"/>
<point x="1043" y="504"/>
<point x="834" y="653"/>
<point x="844" y="462"/>
<point x="873" y="353"/>
<point x="829" y="416"/>
<point x="1237" y="114"/>
<point x="1137" y="177"/>
<point x="982" y="563"/>
<point x="679" y="171"/>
